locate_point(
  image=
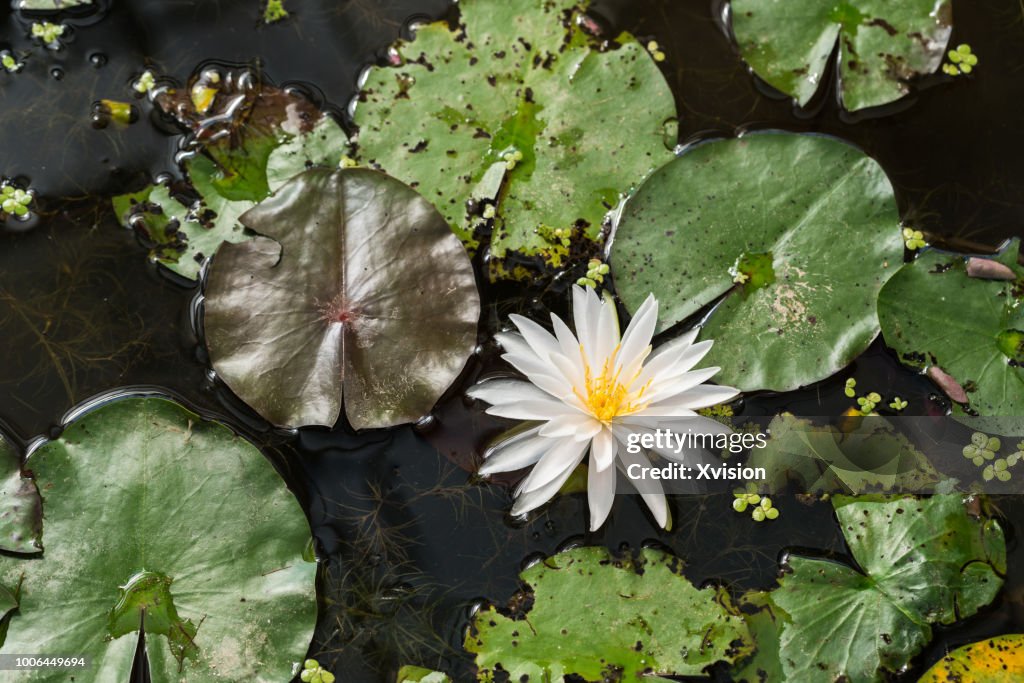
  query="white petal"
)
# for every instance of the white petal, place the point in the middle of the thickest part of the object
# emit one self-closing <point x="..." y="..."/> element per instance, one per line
<point x="665" y="389"/>
<point x="579" y="427"/>
<point x="673" y="362"/>
<point x="600" y="494"/>
<point x="602" y="450"/>
<point x="636" y="340"/>
<point x="531" y="500"/>
<point x="514" y="343"/>
<point x="504" y="391"/>
<point x="564" y="453"/>
<point x="540" y="340"/>
<point x="535" y="409"/>
<point x="544" y="375"/>
<point x="584" y="312"/>
<point x="606" y="336"/>
<point x="697" y="397"/>
<point x="567" y="342"/>
<point x="515" y="453"/>
<point x="655" y="500"/>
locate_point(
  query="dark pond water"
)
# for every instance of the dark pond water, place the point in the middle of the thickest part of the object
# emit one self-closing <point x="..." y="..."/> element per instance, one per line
<point x="410" y="541"/>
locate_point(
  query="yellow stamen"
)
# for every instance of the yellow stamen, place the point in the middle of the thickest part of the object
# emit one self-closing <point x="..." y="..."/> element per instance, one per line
<point x="604" y="395"/>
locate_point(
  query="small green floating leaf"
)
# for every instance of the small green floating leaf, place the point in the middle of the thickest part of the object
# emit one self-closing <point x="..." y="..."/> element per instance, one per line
<point x="933" y="314"/>
<point x="882" y="45"/>
<point x="21" y="514"/>
<point x="365" y="294"/>
<point x="994" y="660"/>
<point x="519" y="107"/>
<point x="592" y="614"/>
<point x="924" y="562"/>
<point x="825" y="213"/>
<point x="416" y="674"/>
<point x="156" y="517"/>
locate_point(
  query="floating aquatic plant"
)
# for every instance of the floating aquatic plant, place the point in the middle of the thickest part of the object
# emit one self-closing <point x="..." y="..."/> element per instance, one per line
<point x="48" y="33"/>
<point x="144" y="83"/>
<point x="246" y="153"/>
<point x="804" y="309"/>
<point x="9" y="62"/>
<point x="961" y="61"/>
<point x="14" y="201"/>
<point x="919" y="563"/>
<point x="913" y="239"/>
<point x="521" y="106"/>
<point x="966" y="332"/>
<point x="881" y="47"/>
<point x="274" y="11"/>
<point x="589" y="392"/>
<point x="312" y="672"/>
<point x="356" y="295"/>
<point x="999" y="659"/>
<point x="158" y="520"/>
<point x="596" y="270"/>
<point x="589" y="612"/>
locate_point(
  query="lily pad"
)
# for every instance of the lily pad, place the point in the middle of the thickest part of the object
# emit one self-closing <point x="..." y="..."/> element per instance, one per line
<point x="882" y="45"/>
<point x="921" y="562"/>
<point x="159" y="519"/>
<point x="598" y="616"/>
<point x="993" y="660"/>
<point x="871" y="456"/>
<point x="365" y="297"/>
<point x="798" y="233"/>
<point x="240" y="160"/>
<point x="933" y="314"/>
<point x="21" y="514"/>
<point x="518" y="107"/>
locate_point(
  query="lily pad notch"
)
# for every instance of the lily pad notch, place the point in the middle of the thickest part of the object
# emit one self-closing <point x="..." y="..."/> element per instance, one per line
<point x="879" y="46"/>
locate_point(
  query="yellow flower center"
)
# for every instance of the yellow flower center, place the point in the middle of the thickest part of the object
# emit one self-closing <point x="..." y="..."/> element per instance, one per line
<point x="604" y="395"/>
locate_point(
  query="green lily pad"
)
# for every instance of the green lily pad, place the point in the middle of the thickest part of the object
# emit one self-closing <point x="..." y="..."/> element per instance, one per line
<point x="519" y="108"/>
<point x="416" y="674"/>
<point x="993" y="660"/>
<point x="765" y="666"/>
<point x="21" y="513"/>
<point x="922" y="562"/>
<point x="932" y="313"/>
<point x="365" y="294"/>
<point x="159" y="518"/>
<point x="598" y="616"/>
<point x="882" y="45"/>
<point x="871" y="456"/>
<point x="279" y="136"/>
<point x="700" y="228"/>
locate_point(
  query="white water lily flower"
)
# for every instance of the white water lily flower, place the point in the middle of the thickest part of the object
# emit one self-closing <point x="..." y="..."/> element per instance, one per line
<point x="589" y="392"/>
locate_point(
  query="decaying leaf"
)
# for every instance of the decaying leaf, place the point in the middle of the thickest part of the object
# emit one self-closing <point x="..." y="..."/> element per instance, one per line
<point x="993" y="660"/>
<point x="519" y="124"/>
<point x="594" y="615"/>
